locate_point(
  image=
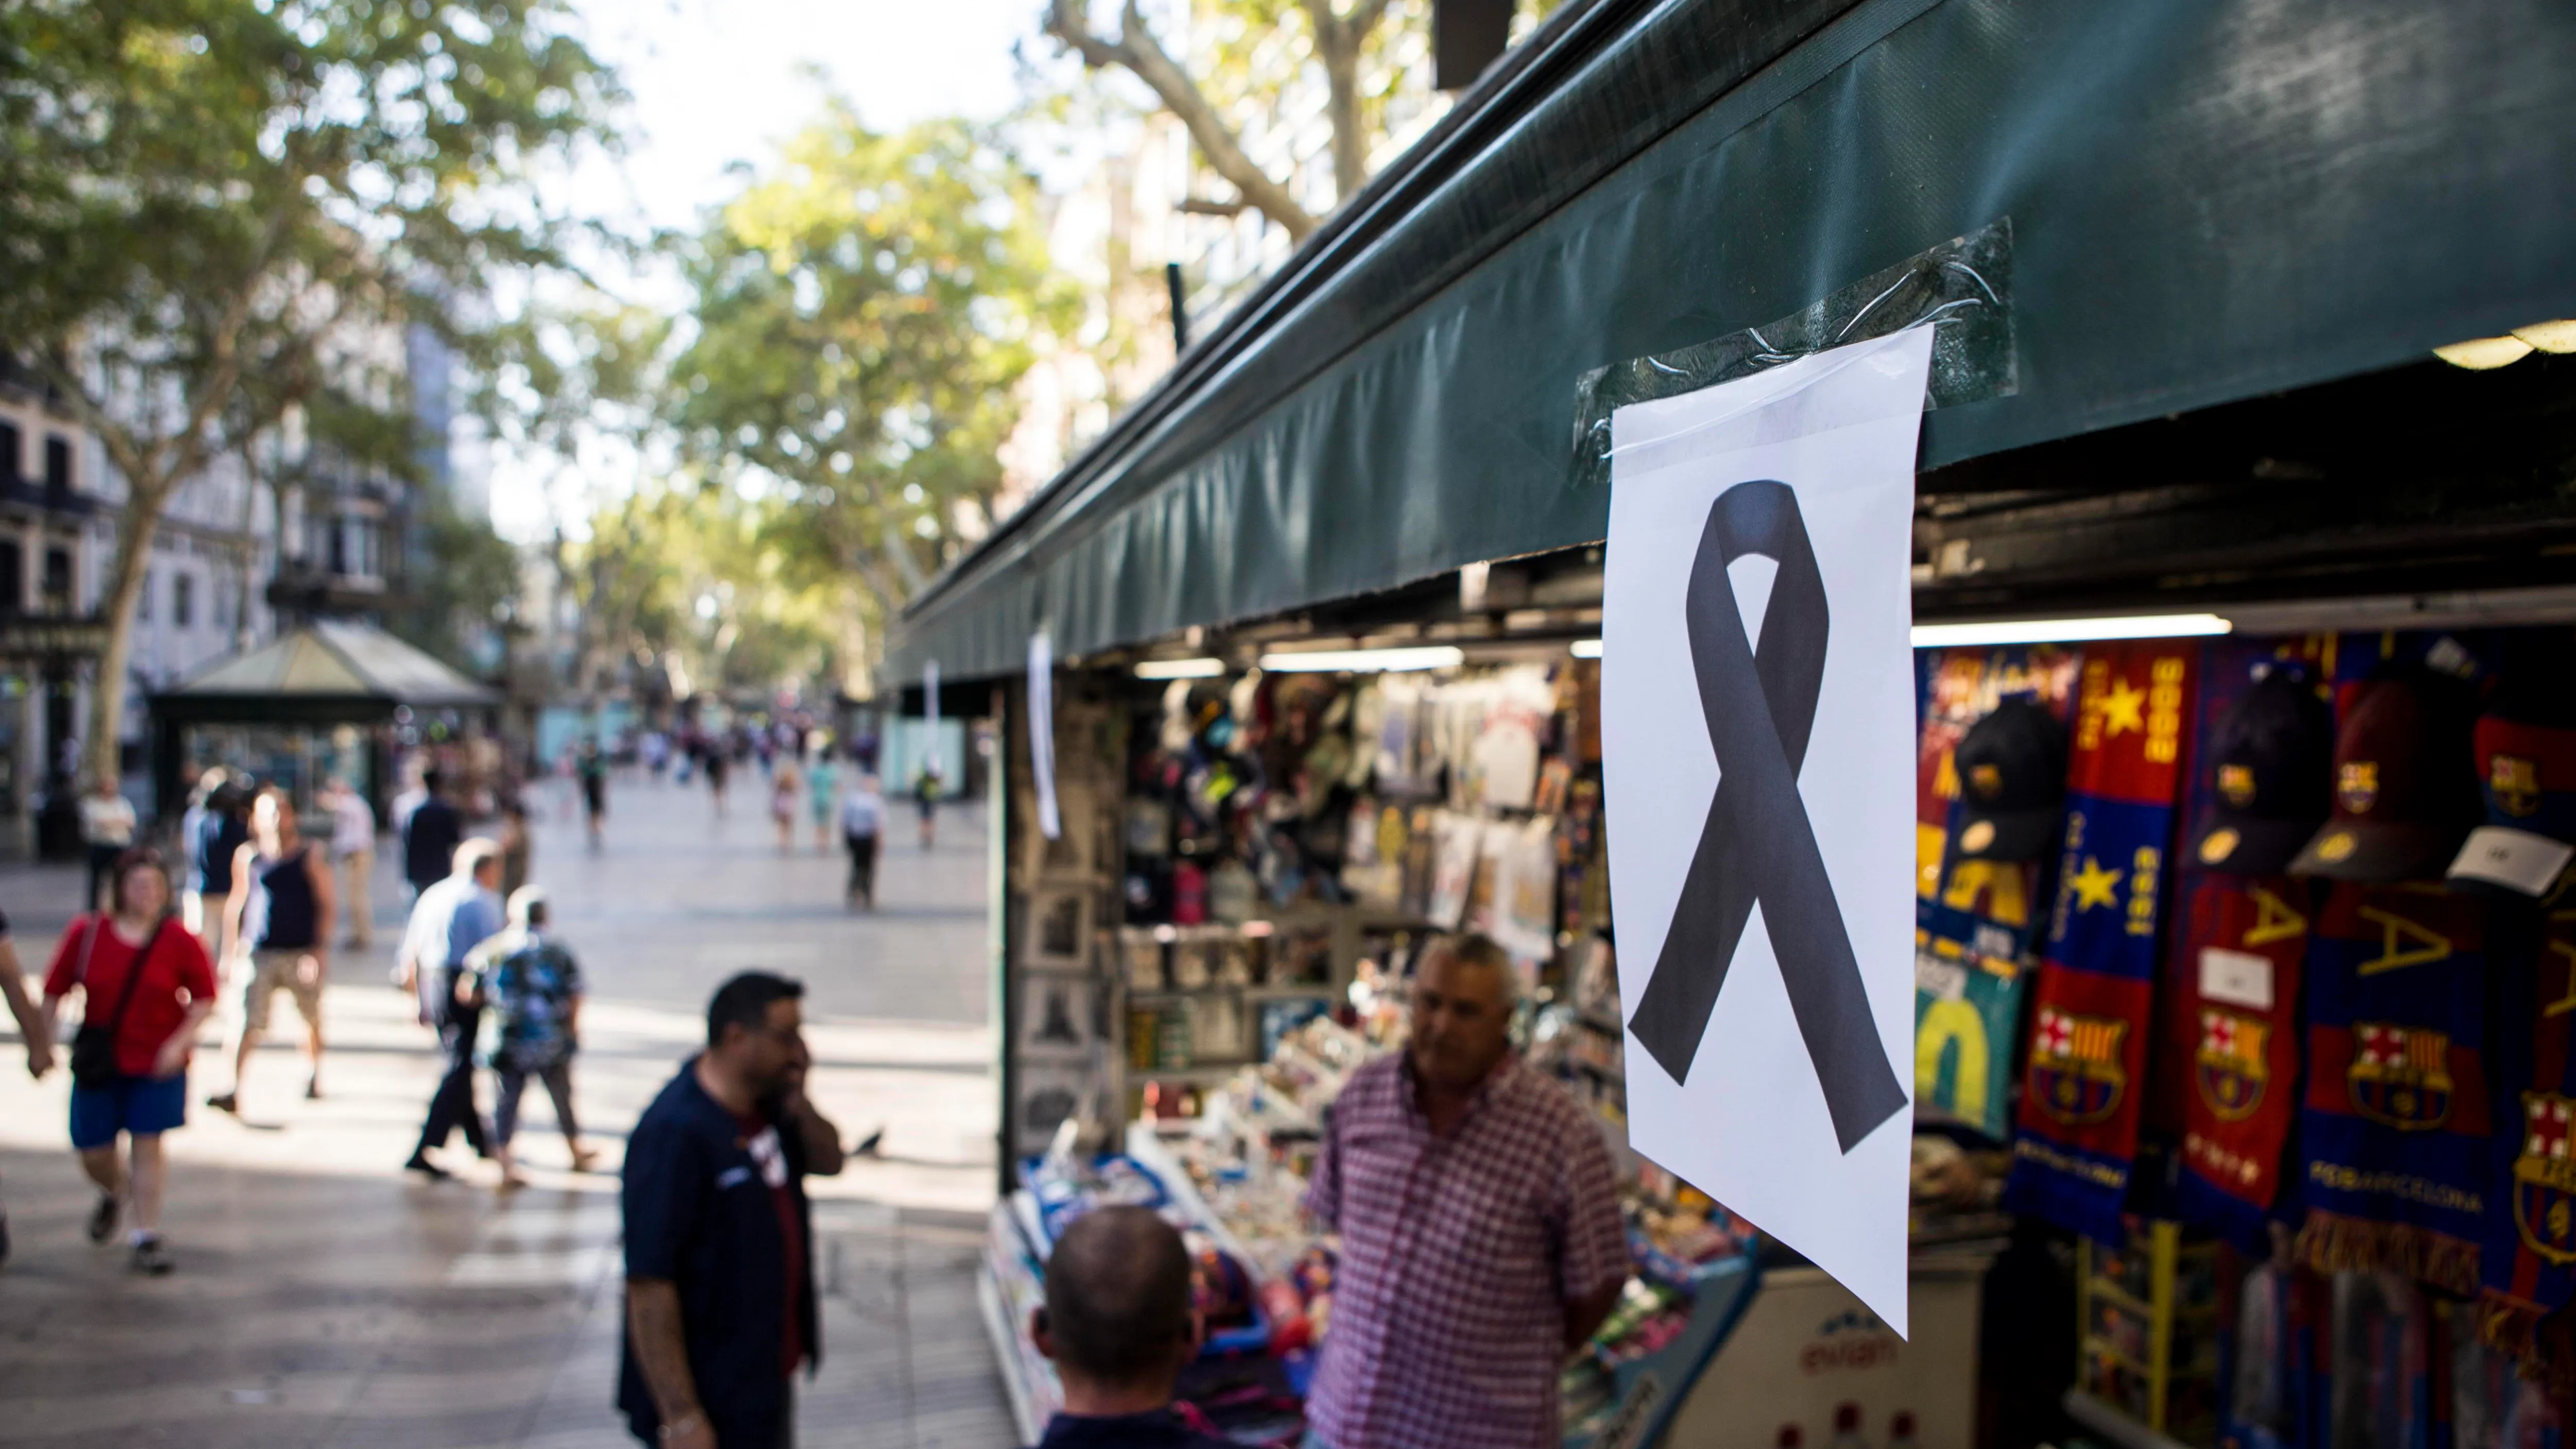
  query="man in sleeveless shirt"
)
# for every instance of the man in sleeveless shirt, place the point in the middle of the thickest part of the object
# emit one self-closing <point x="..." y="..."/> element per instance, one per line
<point x="281" y="909"/>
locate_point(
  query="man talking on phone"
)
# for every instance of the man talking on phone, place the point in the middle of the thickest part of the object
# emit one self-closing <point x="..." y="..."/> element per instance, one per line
<point x="719" y="1268"/>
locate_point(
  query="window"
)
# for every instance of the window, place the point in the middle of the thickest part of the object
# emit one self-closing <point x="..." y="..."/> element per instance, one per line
<point x="183" y="601"/>
<point x="58" y="465"/>
<point x="58" y="580"/>
<point x="223" y="589"/>
<point x="12" y="468"/>
<point x="143" y="602"/>
<point x="13" y="576"/>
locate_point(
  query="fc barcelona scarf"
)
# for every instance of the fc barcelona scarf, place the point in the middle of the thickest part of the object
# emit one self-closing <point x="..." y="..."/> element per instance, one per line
<point x="2530" y="1248"/>
<point x="2235" y="969"/>
<point x="2394" y="1131"/>
<point x="2094" y="998"/>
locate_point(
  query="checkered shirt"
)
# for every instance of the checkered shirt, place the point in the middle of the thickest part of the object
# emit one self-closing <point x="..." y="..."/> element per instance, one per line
<point x="1459" y="1255"/>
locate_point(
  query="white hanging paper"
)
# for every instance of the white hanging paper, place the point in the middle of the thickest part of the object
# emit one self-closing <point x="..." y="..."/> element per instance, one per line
<point x="1042" y="731"/>
<point x="1763" y="1047"/>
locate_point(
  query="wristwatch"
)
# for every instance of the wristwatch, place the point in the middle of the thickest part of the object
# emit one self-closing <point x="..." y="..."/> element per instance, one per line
<point x="686" y="1423"/>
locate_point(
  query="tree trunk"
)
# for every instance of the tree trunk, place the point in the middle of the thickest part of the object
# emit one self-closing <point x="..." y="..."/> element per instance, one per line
<point x="144" y="505"/>
<point x="1337" y="44"/>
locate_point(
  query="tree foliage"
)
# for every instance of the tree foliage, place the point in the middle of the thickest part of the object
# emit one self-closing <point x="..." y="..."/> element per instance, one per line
<point x="198" y="192"/>
<point x="864" y="310"/>
<point x="1225" y="80"/>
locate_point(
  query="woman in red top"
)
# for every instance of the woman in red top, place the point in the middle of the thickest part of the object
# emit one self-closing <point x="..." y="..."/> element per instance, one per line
<point x="155" y="1019"/>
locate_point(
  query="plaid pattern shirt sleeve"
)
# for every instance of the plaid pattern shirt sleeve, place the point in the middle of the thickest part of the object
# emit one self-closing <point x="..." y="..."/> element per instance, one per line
<point x="1592" y="1237"/>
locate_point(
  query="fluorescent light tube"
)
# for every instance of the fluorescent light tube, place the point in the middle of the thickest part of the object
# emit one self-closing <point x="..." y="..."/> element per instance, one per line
<point x="1365" y="661"/>
<point x="1585" y="648"/>
<point x="2068" y="631"/>
<point x="1180" y="669"/>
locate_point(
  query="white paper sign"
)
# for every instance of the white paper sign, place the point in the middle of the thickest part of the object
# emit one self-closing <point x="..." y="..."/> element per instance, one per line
<point x="1042" y="731"/>
<point x="1787" y="1102"/>
<point x="2239" y="978"/>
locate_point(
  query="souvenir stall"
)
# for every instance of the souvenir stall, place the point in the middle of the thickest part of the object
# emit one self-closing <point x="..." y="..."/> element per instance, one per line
<point x="2240" y="532"/>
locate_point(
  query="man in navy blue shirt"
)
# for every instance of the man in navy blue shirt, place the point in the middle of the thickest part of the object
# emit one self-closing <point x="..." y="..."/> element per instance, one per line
<point x="1119" y="1326"/>
<point x="719" y="1269"/>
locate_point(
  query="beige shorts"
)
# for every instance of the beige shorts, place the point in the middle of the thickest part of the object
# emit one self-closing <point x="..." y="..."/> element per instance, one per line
<point x="271" y="972"/>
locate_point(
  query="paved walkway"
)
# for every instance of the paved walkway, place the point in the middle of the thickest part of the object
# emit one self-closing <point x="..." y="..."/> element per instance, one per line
<point x="326" y="1298"/>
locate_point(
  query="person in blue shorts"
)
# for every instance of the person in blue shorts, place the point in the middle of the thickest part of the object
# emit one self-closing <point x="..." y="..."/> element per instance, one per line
<point x="146" y="984"/>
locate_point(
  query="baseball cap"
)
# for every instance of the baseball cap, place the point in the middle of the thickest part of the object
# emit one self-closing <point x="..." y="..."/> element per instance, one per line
<point x="2271" y="759"/>
<point x="2525" y="749"/>
<point x="2012" y="783"/>
<point x="2403" y="795"/>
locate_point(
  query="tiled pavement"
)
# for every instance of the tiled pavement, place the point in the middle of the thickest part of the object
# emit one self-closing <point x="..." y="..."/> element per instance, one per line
<point x="325" y="1299"/>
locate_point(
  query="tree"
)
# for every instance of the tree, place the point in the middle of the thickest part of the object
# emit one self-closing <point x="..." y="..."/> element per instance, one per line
<point x="863" y="312"/>
<point x="197" y="192"/>
<point x="1240" y="69"/>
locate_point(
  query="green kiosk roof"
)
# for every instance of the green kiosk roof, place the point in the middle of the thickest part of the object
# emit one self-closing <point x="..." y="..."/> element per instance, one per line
<point x="2184" y="205"/>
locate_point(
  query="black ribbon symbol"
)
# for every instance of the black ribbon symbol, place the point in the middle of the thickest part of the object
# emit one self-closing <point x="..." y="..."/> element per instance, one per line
<point x="1757" y="845"/>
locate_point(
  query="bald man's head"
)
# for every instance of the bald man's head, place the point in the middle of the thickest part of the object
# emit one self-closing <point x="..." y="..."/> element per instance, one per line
<point x="1118" y="1300"/>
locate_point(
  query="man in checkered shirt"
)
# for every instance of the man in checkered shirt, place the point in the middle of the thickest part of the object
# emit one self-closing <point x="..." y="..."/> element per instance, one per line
<point x="1481" y="1236"/>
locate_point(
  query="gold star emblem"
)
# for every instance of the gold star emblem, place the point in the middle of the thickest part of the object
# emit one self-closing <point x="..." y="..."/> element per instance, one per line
<point x="2094" y="886"/>
<point x="2124" y="708"/>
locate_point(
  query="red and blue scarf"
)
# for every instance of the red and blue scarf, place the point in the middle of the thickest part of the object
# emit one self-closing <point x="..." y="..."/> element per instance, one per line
<point x="2393" y="1136"/>
<point x="2085" y="1076"/>
<point x="2529" y="1255"/>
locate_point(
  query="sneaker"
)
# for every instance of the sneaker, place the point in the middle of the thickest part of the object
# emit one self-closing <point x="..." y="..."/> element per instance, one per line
<point x="102" y="1219"/>
<point x="313" y="1089"/>
<point x="151" y="1259"/>
<point x="225" y="1102"/>
<point x="427" y="1168"/>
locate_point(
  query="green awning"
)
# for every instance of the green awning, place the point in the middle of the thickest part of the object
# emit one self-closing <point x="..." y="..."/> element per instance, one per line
<point x="2206" y="200"/>
<point x="324" y="671"/>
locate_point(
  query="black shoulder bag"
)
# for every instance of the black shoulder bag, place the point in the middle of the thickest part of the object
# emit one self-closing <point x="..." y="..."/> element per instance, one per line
<point x="94" y="1045"/>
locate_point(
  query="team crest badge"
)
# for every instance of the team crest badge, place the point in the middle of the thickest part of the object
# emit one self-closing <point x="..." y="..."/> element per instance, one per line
<point x="2232" y="1070"/>
<point x="2357" y="786"/>
<point x="2544" y="1179"/>
<point x="2075" y="1071"/>
<point x="2515" y="782"/>
<point x="2236" y="783"/>
<point x="2400" y="1076"/>
<point x="1986" y="780"/>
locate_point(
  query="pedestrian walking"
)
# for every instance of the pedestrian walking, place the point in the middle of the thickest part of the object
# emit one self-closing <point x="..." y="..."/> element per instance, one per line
<point x="353" y="850"/>
<point x="220" y="830"/>
<point x="786" y="786"/>
<point x="716" y="766"/>
<point x="720" y="1304"/>
<point x="925" y="794"/>
<point x="107" y="828"/>
<point x="449" y="920"/>
<point x="1119" y="1326"/>
<point x="822" y="792"/>
<point x="146" y="985"/>
<point x="430" y="834"/>
<point x="282" y="906"/>
<point x="33" y="1029"/>
<point x="518" y="844"/>
<point x="592" y="767"/>
<point x="533" y="988"/>
<point x="1481" y="1236"/>
<point x="862" y="826"/>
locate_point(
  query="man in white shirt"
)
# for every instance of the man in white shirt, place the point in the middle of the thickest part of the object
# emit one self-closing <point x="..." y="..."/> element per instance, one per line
<point x="862" y="821"/>
<point x="107" y="828"/>
<point x="353" y="849"/>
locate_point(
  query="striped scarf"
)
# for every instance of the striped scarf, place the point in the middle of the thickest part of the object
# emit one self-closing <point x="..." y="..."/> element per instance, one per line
<point x="2093" y="1004"/>
<point x="2529" y="1254"/>
<point x="2393" y="1135"/>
